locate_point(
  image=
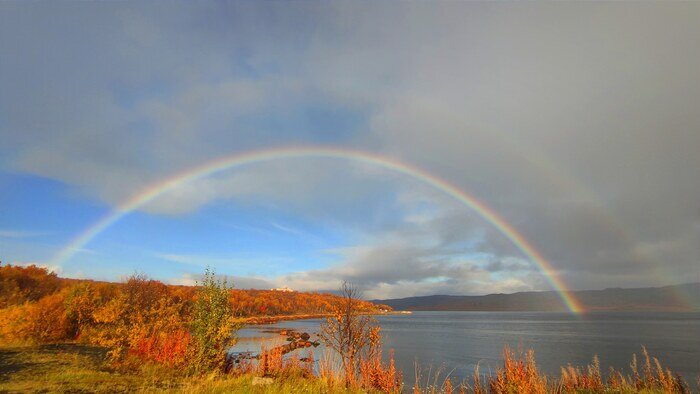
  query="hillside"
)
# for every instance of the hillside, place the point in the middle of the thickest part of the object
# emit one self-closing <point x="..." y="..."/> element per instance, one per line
<point x="20" y="285"/>
<point x="685" y="297"/>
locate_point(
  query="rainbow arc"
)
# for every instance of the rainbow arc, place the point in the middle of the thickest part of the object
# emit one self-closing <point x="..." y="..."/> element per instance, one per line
<point x="249" y="158"/>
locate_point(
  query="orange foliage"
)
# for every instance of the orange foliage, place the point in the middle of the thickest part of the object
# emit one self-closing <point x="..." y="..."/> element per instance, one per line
<point x="144" y="310"/>
<point x="141" y="317"/>
<point x="272" y="363"/>
<point x="376" y="375"/>
<point x="447" y="386"/>
<point x="249" y="303"/>
<point x="21" y="284"/>
<point x="47" y="320"/>
<point x="652" y="378"/>
<point x="519" y="374"/>
<point x="170" y="348"/>
<point x="589" y="379"/>
<point x="43" y="321"/>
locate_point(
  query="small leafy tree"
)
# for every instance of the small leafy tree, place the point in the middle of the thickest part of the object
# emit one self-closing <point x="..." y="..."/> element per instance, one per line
<point x="349" y="331"/>
<point x="213" y="328"/>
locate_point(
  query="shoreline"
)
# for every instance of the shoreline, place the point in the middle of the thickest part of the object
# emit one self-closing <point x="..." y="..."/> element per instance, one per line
<point x="261" y="320"/>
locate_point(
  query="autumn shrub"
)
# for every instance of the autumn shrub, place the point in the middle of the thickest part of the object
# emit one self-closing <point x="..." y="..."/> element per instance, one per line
<point x="519" y="374"/>
<point x="143" y="310"/>
<point x="649" y="377"/>
<point x="652" y="377"/>
<point x="573" y="379"/>
<point x="269" y="361"/>
<point x="13" y="325"/>
<point x="273" y="363"/>
<point x="46" y="321"/>
<point x="43" y="321"/>
<point x="81" y="302"/>
<point x="375" y="374"/>
<point x="168" y="348"/>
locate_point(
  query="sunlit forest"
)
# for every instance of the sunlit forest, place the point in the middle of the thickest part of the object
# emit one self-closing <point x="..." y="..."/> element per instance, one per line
<point x="38" y="306"/>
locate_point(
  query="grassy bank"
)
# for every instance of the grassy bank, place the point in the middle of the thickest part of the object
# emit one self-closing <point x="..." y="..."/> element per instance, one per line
<point x="76" y="368"/>
<point x="82" y="368"/>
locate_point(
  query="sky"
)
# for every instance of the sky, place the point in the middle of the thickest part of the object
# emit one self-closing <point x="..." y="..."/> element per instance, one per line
<point x="578" y="123"/>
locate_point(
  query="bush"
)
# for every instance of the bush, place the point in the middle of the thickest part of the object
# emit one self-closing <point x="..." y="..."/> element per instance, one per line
<point x="143" y="311"/>
<point x="46" y="320"/>
<point x="81" y="302"/>
<point x="213" y="328"/>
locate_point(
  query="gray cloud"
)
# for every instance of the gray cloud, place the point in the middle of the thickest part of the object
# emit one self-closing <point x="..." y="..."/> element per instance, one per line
<point x="421" y="258"/>
<point x="576" y="122"/>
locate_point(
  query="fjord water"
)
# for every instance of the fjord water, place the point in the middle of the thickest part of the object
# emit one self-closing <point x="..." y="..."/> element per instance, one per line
<point x="458" y="341"/>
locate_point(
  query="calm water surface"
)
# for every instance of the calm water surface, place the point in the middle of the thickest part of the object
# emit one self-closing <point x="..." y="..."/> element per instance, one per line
<point x="457" y="341"/>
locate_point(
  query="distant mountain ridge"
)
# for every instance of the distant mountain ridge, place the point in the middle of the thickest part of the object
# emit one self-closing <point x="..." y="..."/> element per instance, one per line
<point x="684" y="297"/>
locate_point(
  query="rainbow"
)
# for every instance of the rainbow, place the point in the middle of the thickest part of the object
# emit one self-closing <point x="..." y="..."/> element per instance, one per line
<point x="242" y="159"/>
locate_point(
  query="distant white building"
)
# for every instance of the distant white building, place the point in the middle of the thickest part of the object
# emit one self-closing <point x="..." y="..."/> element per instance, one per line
<point x="284" y="289"/>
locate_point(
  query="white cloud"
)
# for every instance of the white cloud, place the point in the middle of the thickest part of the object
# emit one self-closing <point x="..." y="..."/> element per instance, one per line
<point x="220" y="262"/>
<point x="6" y="233"/>
<point x="58" y="270"/>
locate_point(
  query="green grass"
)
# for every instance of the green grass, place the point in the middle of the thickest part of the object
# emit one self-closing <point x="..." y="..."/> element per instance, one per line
<point x="79" y="368"/>
<point x="59" y="368"/>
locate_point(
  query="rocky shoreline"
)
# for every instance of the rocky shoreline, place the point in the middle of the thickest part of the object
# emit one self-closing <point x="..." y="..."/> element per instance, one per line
<point x="295" y="340"/>
<point x="260" y="320"/>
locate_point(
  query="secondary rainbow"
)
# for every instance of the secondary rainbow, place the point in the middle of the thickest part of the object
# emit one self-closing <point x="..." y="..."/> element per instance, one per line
<point x="242" y="159"/>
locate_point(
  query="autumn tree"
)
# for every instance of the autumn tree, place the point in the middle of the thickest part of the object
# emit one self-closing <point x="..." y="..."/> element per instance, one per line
<point x="348" y="331"/>
<point x="21" y="284"/>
